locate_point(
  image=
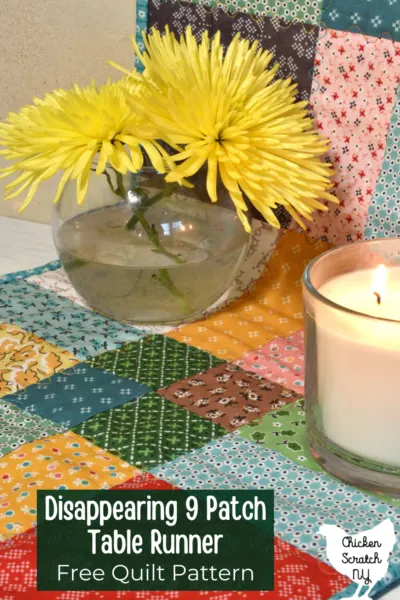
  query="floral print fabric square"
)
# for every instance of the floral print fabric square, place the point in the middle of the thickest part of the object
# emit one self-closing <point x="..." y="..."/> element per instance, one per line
<point x="228" y="396"/>
<point x="353" y="94"/>
<point x="281" y="360"/>
<point x="26" y="359"/>
<point x="149" y="431"/>
<point x="64" y="461"/>
<point x="83" y="332"/>
<point x="70" y="397"/>
<point x="155" y="361"/>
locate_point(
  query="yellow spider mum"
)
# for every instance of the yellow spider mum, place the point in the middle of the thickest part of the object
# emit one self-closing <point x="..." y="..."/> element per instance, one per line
<point x="67" y="130"/>
<point x="227" y="109"/>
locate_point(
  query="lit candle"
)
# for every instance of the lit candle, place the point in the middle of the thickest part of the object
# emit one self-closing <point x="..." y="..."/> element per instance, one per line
<point x="358" y="363"/>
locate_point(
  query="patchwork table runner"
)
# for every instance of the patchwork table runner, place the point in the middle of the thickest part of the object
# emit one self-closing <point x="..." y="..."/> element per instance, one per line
<point x="89" y="403"/>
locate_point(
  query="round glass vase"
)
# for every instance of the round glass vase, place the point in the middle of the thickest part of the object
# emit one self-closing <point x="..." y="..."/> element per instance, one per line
<point x="140" y="250"/>
<point x="353" y="364"/>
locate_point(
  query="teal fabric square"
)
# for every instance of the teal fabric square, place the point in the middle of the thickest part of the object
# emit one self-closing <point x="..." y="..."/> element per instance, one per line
<point x="50" y="266"/>
<point x="59" y="321"/>
<point x="384" y="210"/>
<point x="76" y="394"/>
<point x="141" y="25"/>
<point x="368" y="17"/>
<point x="19" y="427"/>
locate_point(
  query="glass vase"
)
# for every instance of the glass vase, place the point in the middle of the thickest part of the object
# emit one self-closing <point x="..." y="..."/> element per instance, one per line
<point x="140" y="250"/>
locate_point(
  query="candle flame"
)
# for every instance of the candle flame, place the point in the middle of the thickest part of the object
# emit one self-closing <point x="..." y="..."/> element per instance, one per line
<point x="379" y="283"/>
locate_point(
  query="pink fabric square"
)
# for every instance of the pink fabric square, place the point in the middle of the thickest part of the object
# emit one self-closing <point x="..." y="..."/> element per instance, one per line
<point x="280" y="361"/>
<point x="353" y="94"/>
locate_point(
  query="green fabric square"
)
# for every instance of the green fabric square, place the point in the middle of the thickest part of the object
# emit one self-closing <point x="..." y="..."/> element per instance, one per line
<point x="156" y="361"/>
<point x="283" y="430"/>
<point x="149" y="431"/>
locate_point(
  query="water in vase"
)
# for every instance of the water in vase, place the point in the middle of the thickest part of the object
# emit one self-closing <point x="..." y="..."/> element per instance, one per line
<point x="121" y="274"/>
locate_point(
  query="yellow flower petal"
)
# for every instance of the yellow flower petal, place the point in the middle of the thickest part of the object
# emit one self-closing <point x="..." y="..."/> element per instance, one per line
<point x="61" y="185"/>
<point x="230" y="109"/>
<point x="212" y="174"/>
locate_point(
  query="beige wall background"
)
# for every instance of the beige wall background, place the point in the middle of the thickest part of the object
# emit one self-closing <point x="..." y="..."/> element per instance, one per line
<point x="45" y="44"/>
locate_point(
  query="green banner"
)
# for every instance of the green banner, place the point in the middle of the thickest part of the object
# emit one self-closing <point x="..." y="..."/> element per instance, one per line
<point x="155" y="540"/>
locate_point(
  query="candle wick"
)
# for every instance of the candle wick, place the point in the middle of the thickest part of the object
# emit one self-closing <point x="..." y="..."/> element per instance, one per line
<point x="378" y="297"/>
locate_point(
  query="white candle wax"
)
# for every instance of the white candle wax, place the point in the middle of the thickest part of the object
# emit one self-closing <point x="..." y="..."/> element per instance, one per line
<point x="359" y="366"/>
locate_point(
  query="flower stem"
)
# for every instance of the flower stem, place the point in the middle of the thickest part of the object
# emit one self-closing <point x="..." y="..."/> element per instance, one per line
<point x="165" y="279"/>
<point x="153" y="237"/>
<point x="163" y="276"/>
<point x="167" y="191"/>
<point x="149" y="229"/>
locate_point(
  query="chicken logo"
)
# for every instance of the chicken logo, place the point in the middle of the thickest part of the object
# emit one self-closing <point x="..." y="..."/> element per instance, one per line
<point x="364" y="557"/>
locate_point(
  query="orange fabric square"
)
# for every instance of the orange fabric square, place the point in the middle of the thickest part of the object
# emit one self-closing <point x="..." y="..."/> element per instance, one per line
<point x="63" y="461"/>
<point x="273" y="308"/>
<point x="26" y="359"/>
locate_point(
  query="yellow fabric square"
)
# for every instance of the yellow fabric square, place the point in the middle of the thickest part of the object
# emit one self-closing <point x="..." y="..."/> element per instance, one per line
<point x="63" y="461"/>
<point x="26" y="359"/>
<point x="273" y="308"/>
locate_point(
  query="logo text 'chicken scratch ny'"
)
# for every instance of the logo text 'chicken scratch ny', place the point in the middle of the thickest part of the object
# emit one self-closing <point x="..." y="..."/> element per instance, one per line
<point x="364" y="557"/>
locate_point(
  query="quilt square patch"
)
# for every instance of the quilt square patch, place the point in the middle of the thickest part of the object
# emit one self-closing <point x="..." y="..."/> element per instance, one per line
<point x="308" y="11"/>
<point x="149" y="431"/>
<point x="59" y="321"/>
<point x="228" y="396"/>
<point x="64" y="461"/>
<point x="142" y="480"/>
<point x="19" y="427"/>
<point x="156" y="361"/>
<point x="70" y="397"/>
<point x="57" y="281"/>
<point x="383" y="212"/>
<point x="281" y="360"/>
<point x="283" y="430"/>
<point x="378" y="19"/>
<point x="26" y="359"/>
<point x="353" y="94"/>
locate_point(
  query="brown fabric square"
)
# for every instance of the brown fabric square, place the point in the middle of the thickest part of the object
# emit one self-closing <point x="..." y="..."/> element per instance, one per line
<point x="229" y="396"/>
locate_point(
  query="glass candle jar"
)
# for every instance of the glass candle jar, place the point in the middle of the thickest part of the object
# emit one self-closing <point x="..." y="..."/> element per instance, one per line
<point x="352" y="329"/>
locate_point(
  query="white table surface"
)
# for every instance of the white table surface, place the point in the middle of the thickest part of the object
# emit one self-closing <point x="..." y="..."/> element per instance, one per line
<point x="24" y="245"/>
